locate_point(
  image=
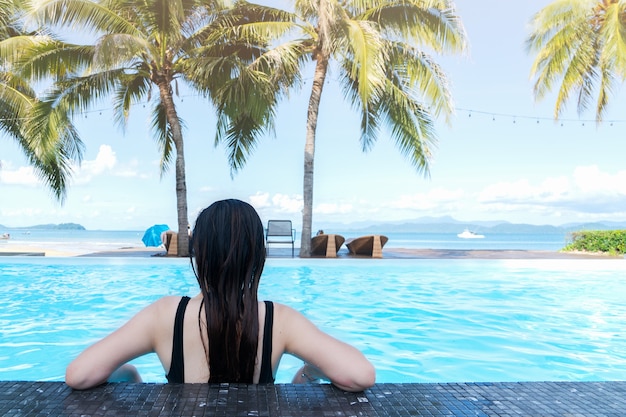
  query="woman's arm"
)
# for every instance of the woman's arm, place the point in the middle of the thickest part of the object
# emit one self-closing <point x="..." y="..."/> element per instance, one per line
<point x="307" y="374"/>
<point x="96" y="364"/>
<point x="125" y="373"/>
<point x="325" y="357"/>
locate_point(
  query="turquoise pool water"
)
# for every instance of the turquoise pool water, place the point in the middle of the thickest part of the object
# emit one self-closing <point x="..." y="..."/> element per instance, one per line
<point x="416" y="320"/>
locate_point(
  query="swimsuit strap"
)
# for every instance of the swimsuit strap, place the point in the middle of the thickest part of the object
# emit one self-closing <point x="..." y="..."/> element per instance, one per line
<point x="267" y="376"/>
<point x="176" y="373"/>
<point x="177" y="365"/>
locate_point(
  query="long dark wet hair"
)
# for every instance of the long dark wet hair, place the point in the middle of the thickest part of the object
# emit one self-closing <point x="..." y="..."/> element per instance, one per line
<point x="228" y="246"/>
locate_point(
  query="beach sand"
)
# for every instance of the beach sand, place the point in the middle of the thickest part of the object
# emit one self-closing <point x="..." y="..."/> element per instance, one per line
<point x="7" y="249"/>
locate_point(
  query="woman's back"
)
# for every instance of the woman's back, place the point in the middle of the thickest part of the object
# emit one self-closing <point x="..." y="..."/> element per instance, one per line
<point x="194" y="366"/>
<point x="219" y="334"/>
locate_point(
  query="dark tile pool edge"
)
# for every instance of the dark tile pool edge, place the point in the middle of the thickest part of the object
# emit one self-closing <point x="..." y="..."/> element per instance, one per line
<point x="501" y="399"/>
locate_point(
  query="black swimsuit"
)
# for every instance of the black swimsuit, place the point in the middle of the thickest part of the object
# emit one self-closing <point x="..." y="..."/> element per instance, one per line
<point x="177" y="367"/>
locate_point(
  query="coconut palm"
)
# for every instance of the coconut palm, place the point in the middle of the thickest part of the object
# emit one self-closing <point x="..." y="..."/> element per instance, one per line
<point x="217" y="51"/>
<point x="51" y="156"/>
<point x="378" y="49"/>
<point x="580" y="48"/>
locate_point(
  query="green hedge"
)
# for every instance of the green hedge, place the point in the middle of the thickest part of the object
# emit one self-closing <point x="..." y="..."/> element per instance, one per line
<point x="607" y="241"/>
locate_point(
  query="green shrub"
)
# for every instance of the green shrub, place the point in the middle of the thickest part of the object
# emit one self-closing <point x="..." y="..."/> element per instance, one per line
<point x="607" y="241"/>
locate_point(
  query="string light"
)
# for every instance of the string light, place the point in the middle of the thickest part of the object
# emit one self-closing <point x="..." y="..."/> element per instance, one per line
<point x="470" y="112"/>
<point x="538" y="120"/>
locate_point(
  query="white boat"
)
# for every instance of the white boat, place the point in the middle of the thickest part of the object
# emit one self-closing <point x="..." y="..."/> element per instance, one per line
<point x="467" y="234"/>
<point x="5" y="236"/>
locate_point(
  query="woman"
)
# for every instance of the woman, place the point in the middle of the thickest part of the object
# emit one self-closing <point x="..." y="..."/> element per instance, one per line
<point x="223" y="334"/>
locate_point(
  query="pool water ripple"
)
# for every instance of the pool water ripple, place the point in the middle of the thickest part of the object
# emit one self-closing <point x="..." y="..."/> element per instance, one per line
<point x="417" y="320"/>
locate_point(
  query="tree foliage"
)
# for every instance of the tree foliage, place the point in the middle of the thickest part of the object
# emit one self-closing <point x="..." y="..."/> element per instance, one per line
<point x="580" y="52"/>
<point x="380" y="49"/>
<point x="53" y="153"/>
<point x="141" y="52"/>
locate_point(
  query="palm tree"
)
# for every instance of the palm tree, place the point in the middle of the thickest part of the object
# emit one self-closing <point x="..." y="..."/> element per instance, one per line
<point x="50" y="156"/>
<point x="220" y="52"/>
<point x="580" y="48"/>
<point x="375" y="45"/>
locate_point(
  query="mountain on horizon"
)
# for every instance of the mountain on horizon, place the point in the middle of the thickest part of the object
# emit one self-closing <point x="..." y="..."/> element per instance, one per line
<point x="447" y="224"/>
<point x="60" y="226"/>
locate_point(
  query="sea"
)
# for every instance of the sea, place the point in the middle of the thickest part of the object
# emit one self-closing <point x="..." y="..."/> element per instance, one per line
<point x="88" y="241"/>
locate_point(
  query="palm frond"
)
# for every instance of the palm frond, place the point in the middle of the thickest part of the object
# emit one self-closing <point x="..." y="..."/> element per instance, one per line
<point x="367" y="56"/>
<point x="51" y="143"/>
<point x="411" y="126"/>
<point x="132" y="89"/>
<point x="71" y="97"/>
<point x="47" y="57"/>
<point x="84" y="15"/>
<point x="555" y="17"/>
<point x="50" y="125"/>
<point x="282" y="63"/>
<point x="16" y="95"/>
<point x="396" y="106"/>
<point x="246" y="109"/>
<point x="607" y="81"/>
<point x="580" y="48"/>
<point x="434" y="24"/>
<point x="568" y="45"/>
<point x="613" y="33"/>
<point x="255" y="22"/>
<point x="163" y="136"/>
<point x="420" y="73"/>
<point x="120" y="50"/>
<point x="51" y="164"/>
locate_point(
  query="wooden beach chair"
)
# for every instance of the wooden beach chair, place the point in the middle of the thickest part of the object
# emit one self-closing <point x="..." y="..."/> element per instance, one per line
<point x="171" y="243"/>
<point x="326" y="245"/>
<point x="371" y="245"/>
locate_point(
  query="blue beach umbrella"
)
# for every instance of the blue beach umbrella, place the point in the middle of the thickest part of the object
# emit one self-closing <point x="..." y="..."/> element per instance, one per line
<point x="152" y="236"/>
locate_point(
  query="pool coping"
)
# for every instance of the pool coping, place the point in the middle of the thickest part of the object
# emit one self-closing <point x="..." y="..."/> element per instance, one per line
<point x="503" y="399"/>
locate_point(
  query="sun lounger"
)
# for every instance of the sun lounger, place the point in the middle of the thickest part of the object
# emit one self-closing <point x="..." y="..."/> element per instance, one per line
<point x="171" y="243"/>
<point x="326" y="245"/>
<point x="371" y="245"/>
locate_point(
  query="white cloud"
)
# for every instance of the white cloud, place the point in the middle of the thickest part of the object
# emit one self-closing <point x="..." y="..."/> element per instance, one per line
<point x="591" y="180"/>
<point x="277" y="204"/>
<point x="20" y="176"/>
<point x="333" y="208"/>
<point x="287" y="204"/>
<point x="588" y="190"/>
<point x="105" y="161"/>
<point x="260" y="200"/>
<point x="427" y="201"/>
<point x="22" y="212"/>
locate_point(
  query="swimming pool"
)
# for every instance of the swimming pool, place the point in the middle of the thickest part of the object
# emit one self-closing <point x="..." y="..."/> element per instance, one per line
<point x="416" y="320"/>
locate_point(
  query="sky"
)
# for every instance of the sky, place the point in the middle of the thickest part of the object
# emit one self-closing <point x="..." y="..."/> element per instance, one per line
<point x="502" y="157"/>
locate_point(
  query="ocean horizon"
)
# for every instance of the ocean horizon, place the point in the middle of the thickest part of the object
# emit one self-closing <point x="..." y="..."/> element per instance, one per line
<point x="88" y="241"/>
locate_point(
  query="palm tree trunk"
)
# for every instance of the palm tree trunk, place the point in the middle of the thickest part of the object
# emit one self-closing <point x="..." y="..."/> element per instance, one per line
<point x="321" y="67"/>
<point x="181" y="183"/>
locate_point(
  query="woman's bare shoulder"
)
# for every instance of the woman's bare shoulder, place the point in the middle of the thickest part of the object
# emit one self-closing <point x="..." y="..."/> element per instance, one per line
<point x="284" y="310"/>
<point x="165" y="304"/>
<point x="290" y="319"/>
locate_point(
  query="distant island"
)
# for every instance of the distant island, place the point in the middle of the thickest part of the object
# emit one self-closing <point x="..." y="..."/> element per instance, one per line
<point x="448" y="224"/>
<point x="61" y="226"/>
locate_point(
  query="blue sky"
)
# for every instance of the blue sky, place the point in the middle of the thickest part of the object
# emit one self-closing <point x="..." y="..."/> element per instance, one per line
<point x="502" y="157"/>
